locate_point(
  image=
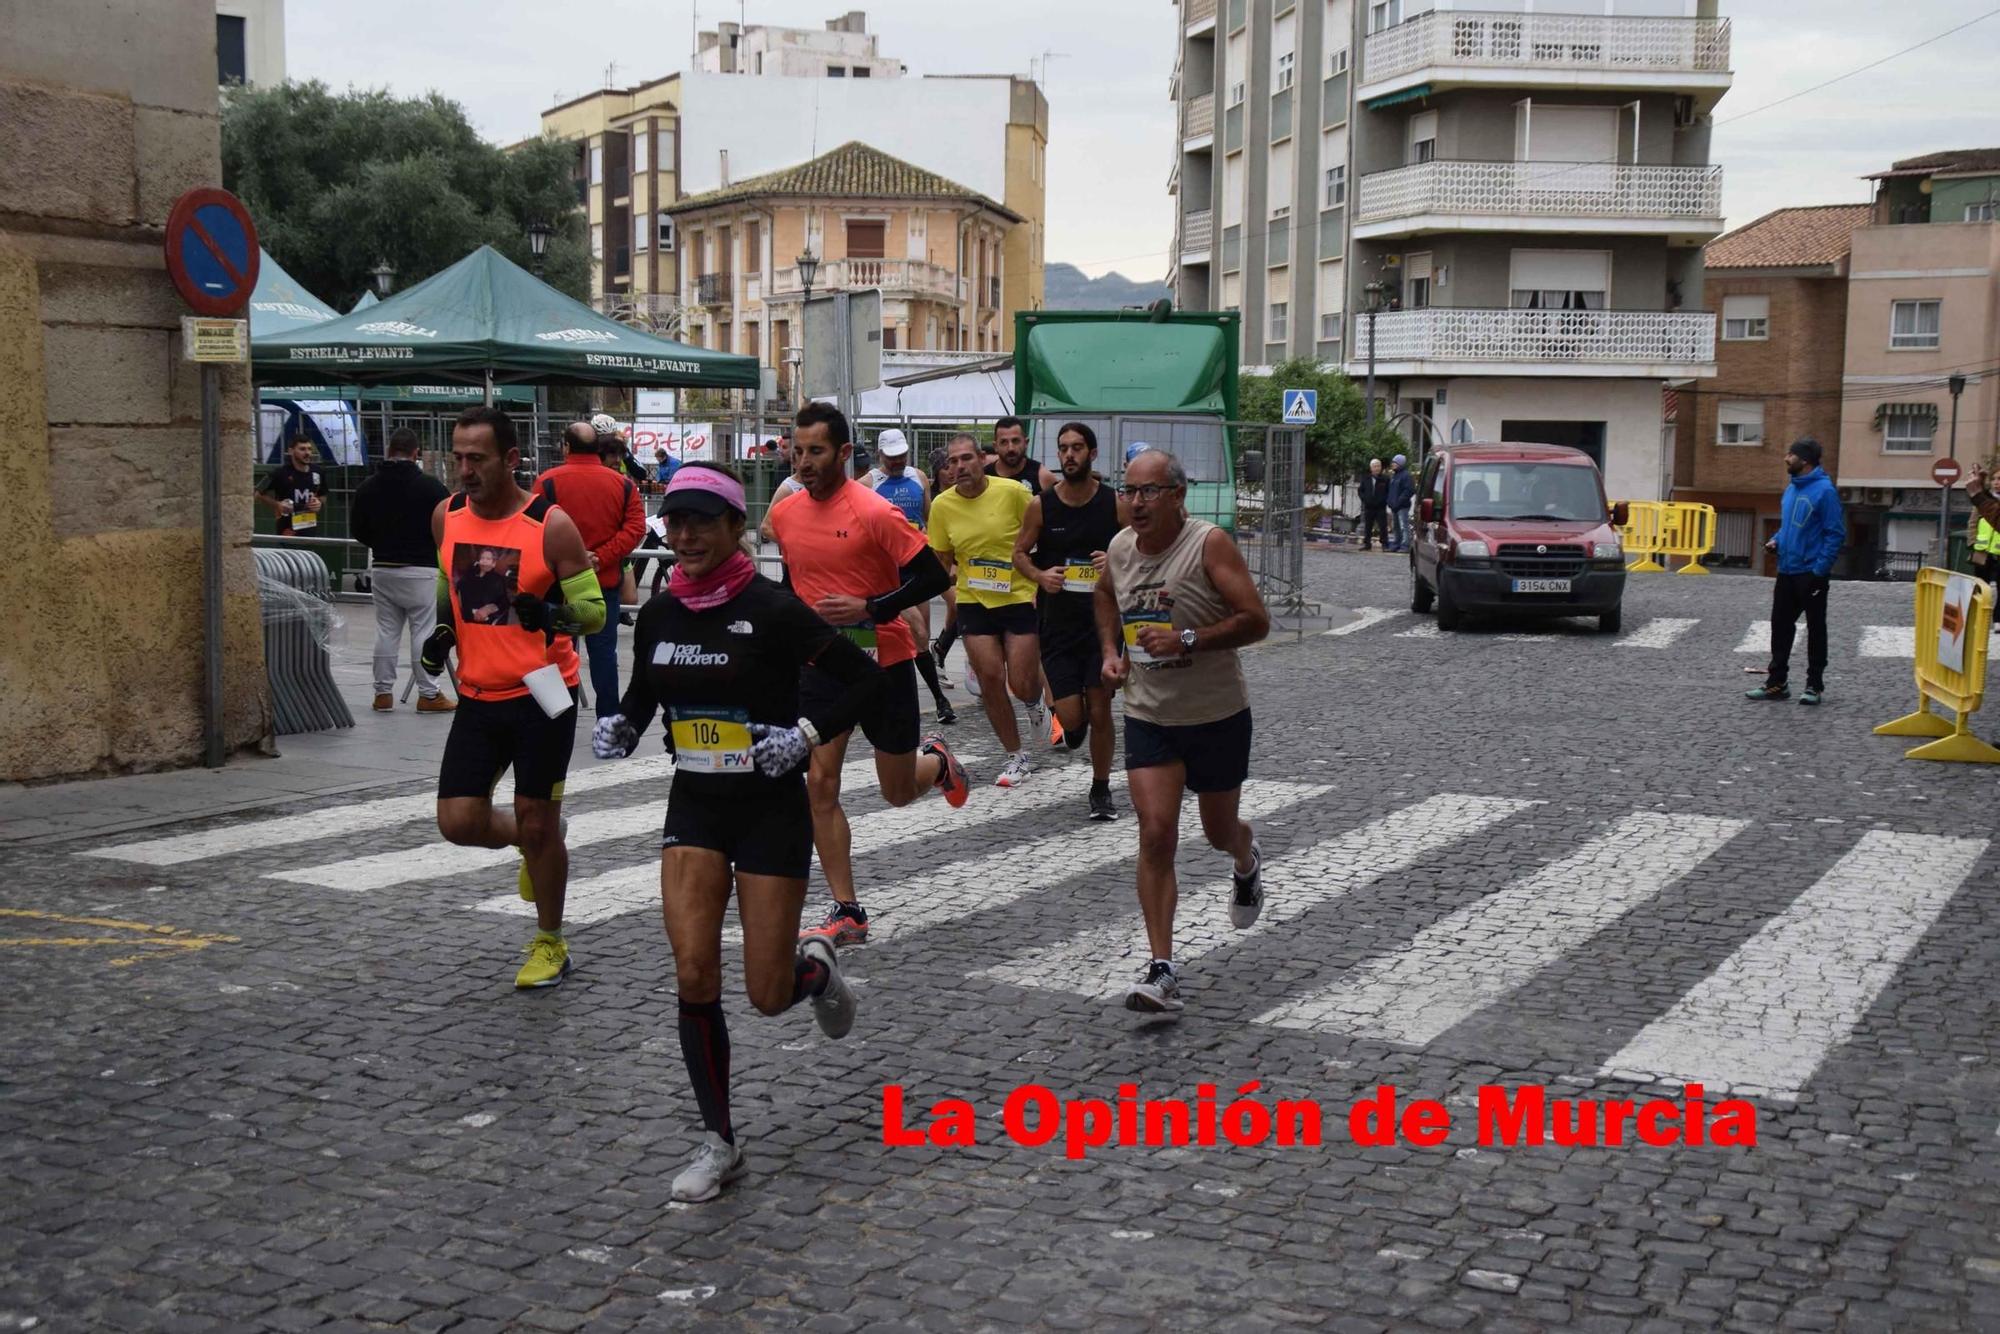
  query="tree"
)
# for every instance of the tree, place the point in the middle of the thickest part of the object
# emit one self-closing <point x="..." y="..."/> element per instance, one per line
<point x="340" y="182"/>
<point x="1339" y="444"/>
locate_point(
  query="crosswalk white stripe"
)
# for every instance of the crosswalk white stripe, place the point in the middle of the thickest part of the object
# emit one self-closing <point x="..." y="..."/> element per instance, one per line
<point x="1660" y="632"/>
<point x="1091" y="962"/>
<point x="1367" y="616"/>
<point x="434" y="861"/>
<point x="628" y="889"/>
<point x="1428" y="630"/>
<point x="356" y="818"/>
<point x="1476" y="955"/>
<point x="1763" y="1021"/>
<point x="1888" y="641"/>
<point x="1757" y="639"/>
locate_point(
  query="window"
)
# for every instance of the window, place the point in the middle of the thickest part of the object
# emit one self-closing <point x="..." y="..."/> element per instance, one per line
<point x="597" y="240"/>
<point x="642" y="150"/>
<point x="1327" y="300"/>
<point x="1986" y="212"/>
<point x="1384" y="14"/>
<point x="1908" y="429"/>
<point x="1236" y="94"/>
<point x="836" y="71"/>
<point x="666" y="234"/>
<point x="1278" y="184"/>
<point x="642" y="231"/>
<point x="863" y="72"/>
<point x="1417" y="281"/>
<point x="1336" y="187"/>
<point x="1746" y="318"/>
<point x="1336" y="62"/>
<point x="1423" y="137"/>
<point x="231" y="65"/>
<point x="1284" y="51"/>
<point x="888" y="338"/>
<point x="1913" y="324"/>
<point x="1559" y="279"/>
<point x="1739" y="423"/>
<point x="1329" y="326"/>
<point x="753" y="249"/>
<point x="866" y="239"/>
<point x="1287" y="69"/>
<point x="1279" y="317"/>
<point x="597" y="164"/>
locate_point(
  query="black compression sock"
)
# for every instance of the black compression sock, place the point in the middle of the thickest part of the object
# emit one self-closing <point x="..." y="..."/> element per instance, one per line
<point x="809" y="978"/>
<point x="1074" y="737"/>
<point x="946" y="640"/>
<point x="927" y="668"/>
<point x="705" y="1050"/>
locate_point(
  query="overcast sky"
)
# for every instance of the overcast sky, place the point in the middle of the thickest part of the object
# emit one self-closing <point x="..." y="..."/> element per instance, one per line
<point x="1111" y="126"/>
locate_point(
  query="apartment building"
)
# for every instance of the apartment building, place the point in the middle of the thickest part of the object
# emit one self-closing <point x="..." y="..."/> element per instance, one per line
<point x="1514" y="202"/>
<point x="643" y="148"/>
<point x="935" y="248"/>
<point x="1779" y="289"/>
<point x="1923" y="305"/>
<point x="250" y="43"/>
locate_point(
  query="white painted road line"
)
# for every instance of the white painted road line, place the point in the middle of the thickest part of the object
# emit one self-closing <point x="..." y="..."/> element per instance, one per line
<point x="1367" y="616"/>
<point x="1428" y="630"/>
<point x="1757" y="639"/>
<point x="1094" y="962"/>
<point x="1764" y="1021"/>
<point x="600" y="898"/>
<point x="1660" y="632"/>
<point x="1465" y="961"/>
<point x="356" y="818"/>
<point x="1888" y="641"/>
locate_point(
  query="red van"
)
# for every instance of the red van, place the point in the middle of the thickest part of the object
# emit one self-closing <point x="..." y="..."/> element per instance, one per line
<point x="1515" y="530"/>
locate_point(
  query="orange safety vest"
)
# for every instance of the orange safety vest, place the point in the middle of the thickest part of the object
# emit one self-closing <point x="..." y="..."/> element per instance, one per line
<point x="487" y="562"/>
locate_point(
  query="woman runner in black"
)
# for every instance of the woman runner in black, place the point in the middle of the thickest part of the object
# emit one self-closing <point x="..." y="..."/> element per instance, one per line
<point x="720" y="651"/>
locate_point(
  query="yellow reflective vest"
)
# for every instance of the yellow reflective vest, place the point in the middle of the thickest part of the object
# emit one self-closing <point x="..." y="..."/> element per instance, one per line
<point x="1987" y="539"/>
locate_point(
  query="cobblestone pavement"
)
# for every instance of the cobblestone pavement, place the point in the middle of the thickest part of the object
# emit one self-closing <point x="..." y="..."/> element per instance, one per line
<point x="270" y="1072"/>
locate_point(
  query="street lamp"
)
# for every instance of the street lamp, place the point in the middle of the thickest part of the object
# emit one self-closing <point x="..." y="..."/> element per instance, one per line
<point x="539" y="233"/>
<point x="1376" y="291"/>
<point x="808" y="270"/>
<point x="1956" y="383"/>
<point x="384" y="274"/>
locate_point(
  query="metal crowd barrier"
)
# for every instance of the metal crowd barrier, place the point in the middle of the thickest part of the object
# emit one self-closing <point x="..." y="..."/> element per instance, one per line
<point x="295" y="591"/>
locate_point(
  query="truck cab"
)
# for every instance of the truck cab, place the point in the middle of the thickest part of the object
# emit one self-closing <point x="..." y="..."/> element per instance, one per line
<point x="1516" y="531"/>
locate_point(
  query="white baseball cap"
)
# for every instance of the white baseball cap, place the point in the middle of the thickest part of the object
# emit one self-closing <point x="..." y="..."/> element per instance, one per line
<point x="603" y="424"/>
<point x="891" y="444"/>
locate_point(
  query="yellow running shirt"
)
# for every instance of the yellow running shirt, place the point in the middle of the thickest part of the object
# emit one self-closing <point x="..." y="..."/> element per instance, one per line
<point x="978" y="533"/>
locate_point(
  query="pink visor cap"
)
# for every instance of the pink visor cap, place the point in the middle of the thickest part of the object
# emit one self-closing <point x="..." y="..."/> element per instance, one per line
<point x="703" y="491"/>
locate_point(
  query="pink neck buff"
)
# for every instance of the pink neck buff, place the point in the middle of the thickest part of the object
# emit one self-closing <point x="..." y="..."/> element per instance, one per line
<point x="716" y="587"/>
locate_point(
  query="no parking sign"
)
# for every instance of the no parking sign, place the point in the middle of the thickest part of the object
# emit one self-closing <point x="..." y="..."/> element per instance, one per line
<point x="212" y="253"/>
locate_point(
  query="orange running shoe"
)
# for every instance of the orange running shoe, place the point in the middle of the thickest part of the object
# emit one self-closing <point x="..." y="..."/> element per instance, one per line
<point x="951" y="779"/>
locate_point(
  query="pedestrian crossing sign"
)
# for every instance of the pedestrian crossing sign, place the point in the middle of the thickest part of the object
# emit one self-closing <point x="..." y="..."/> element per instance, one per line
<point x="1301" y="407"/>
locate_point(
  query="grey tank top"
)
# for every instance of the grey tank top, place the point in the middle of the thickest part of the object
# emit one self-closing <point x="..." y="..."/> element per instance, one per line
<point x="1173" y="588"/>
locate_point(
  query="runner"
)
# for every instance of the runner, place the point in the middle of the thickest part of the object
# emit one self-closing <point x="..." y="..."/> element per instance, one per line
<point x="974" y="525"/>
<point x="909" y="491"/>
<point x="943" y="478"/>
<point x="295" y="491"/>
<point x="1064" y="536"/>
<point x="721" y="651"/>
<point x="857" y="562"/>
<point x="1178" y="593"/>
<point x="491" y="538"/>
<point x="1010" y="457"/>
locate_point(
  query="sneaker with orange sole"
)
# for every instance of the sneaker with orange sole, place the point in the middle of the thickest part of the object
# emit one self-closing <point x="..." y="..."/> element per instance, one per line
<point x="1055" y="730"/>
<point x="951" y="779"/>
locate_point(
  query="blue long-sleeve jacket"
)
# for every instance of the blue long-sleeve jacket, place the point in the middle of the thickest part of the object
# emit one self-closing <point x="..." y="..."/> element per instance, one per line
<point x="1811" y="528"/>
<point x="1402" y="489"/>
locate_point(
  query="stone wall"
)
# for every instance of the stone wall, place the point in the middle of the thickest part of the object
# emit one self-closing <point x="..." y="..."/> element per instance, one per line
<point x="107" y="114"/>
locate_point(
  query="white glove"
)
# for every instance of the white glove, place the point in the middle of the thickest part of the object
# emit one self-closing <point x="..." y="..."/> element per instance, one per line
<point x="613" y="738"/>
<point x="778" y="750"/>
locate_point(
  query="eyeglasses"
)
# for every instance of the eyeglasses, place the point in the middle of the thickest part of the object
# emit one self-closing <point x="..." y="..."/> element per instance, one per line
<point x="1149" y="493"/>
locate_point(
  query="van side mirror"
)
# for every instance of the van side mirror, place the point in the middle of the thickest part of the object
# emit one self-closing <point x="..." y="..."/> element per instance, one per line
<point x="1621" y="514"/>
<point x="1427" y="510"/>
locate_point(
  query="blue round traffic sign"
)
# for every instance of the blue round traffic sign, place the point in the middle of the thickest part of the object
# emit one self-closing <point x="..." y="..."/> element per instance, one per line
<point x="212" y="253"/>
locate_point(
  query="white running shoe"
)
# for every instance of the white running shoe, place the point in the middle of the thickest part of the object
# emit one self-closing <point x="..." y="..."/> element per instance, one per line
<point x="1158" y="992"/>
<point x="1038" y="720"/>
<point x="1248" y="900"/>
<point x="834" y="1006"/>
<point x="972" y="682"/>
<point x="716" y="1163"/>
<point x="1017" y="770"/>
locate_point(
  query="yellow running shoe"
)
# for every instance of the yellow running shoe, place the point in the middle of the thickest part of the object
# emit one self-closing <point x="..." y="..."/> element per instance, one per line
<point x="548" y="962"/>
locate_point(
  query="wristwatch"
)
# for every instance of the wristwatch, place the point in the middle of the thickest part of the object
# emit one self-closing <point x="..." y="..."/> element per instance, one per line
<point x="1187" y="640"/>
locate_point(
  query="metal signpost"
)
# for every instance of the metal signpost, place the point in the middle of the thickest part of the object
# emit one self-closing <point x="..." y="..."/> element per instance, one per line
<point x="212" y="258"/>
<point x="841" y="335"/>
<point x="1946" y="472"/>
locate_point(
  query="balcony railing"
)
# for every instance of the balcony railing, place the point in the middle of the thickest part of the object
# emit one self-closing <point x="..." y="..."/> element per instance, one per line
<point x="1198" y="116"/>
<point x="1634" y="337"/>
<point x="1541" y="189"/>
<point x="897" y="275"/>
<point x="1197" y="232"/>
<point x="714" y="289"/>
<point x="1474" y="40"/>
<point x="659" y="312"/>
<point x="1194" y="11"/>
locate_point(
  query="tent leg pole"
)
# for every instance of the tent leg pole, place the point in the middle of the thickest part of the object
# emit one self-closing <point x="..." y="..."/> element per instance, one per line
<point x="489" y="388"/>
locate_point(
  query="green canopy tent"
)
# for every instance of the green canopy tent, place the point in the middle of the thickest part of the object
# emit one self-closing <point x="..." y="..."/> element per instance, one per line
<point x="487" y="321"/>
<point x="280" y="304"/>
<point x="367" y="299"/>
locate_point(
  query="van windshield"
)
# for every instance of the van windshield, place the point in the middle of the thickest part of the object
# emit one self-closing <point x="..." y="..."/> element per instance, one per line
<point x="1526" y="491"/>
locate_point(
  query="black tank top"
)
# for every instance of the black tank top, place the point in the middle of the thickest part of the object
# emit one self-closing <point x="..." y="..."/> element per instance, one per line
<point x="1069" y="534"/>
<point x="1031" y="476"/>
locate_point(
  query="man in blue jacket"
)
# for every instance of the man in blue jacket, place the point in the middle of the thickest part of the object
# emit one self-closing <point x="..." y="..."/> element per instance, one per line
<point x="1811" y="531"/>
<point x="1402" y="490"/>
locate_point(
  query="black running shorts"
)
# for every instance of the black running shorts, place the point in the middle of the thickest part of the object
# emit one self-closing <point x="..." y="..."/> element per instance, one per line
<point x="893" y="724"/>
<point x="1217" y="755"/>
<point x="767" y="831"/>
<point x="488" y="735"/>
<point x="1016" y="618"/>
<point x="1071" y="660"/>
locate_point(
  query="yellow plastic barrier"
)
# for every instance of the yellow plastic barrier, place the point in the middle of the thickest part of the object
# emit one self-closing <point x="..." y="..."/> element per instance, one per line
<point x="1691" y="530"/>
<point x="1960" y="692"/>
<point x="1641" y="535"/>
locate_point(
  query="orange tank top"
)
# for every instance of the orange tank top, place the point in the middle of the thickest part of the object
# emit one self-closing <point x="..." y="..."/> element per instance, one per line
<point x="487" y="562"/>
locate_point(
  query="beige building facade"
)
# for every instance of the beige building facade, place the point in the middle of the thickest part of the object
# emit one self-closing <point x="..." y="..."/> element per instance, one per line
<point x="935" y="249"/>
<point x="106" y="117"/>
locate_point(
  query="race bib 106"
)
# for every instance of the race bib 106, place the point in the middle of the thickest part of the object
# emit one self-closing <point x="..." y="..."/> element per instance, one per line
<point x="712" y="741"/>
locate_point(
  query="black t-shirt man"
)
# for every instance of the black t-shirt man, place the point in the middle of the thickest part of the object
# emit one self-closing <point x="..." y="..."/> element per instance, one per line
<point x="295" y="492"/>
